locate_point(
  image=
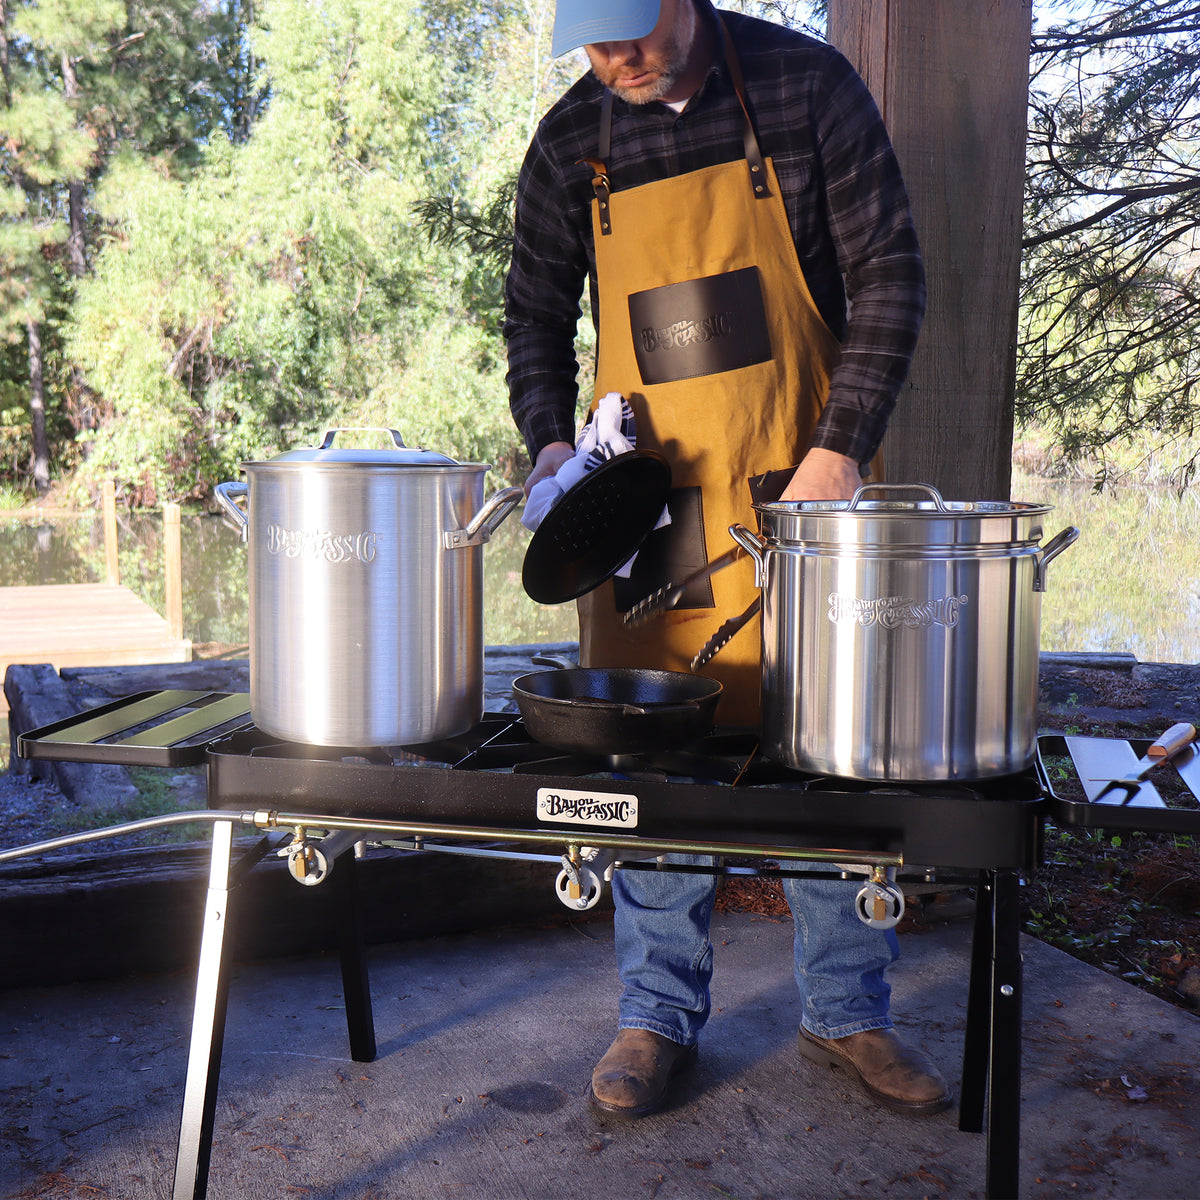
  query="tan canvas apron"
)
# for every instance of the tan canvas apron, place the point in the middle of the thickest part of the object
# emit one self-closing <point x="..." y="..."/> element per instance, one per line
<point x="725" y="419"/>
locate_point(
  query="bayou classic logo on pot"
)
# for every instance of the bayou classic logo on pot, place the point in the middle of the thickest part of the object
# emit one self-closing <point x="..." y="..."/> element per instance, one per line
<point x="891" y="612"/>
<point x="587" y="808"/>
<point x="322" y="545"/>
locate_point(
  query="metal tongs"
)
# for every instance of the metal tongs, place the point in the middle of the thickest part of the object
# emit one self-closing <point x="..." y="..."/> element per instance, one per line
<point x="725" y="633"/>
<point x="667" y="597"/>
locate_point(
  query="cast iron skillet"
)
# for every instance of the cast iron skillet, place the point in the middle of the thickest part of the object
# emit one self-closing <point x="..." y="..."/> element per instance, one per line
<point x="616" y="710"/>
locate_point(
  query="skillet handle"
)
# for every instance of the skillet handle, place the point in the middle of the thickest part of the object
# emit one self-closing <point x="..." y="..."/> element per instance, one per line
<point x="753" y="545"/>
<point x="559" y="661"/>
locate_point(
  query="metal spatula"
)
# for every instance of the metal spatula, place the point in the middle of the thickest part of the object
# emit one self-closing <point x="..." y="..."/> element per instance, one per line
<point x="1164" y="749"/>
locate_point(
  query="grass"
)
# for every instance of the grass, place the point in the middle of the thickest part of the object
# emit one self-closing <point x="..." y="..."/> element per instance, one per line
<point x="11" y="500"/>
<point x="154" y="798"/>
<point x="1126" y="903"/>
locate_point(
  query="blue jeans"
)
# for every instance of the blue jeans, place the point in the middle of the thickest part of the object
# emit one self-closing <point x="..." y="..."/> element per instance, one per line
<point x="665" y="958"/>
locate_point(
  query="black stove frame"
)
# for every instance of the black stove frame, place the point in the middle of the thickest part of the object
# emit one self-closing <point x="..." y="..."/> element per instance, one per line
<point x="483" y="788"/>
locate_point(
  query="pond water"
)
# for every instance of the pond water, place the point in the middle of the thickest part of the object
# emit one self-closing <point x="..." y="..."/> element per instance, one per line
<point x="1131" y="583"/>
<point x="214" y="574"/>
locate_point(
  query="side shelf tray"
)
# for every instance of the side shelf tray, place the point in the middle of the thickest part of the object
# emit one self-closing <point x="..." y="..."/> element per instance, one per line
<point x="148" y="729"/>
<point x="1096" y="761"/>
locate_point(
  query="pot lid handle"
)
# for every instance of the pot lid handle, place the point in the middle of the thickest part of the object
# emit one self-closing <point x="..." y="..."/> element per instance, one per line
<point x="927" y="488"/>
<point x="330" y="434"/>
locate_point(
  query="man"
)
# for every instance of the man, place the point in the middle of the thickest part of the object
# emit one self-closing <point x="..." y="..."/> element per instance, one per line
<point x="727" y="188"/>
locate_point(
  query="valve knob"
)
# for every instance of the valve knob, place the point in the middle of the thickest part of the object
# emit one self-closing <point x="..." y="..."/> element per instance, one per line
<point x="307" y="864"/>
<point x="879" y="905"/>
<point x="578" y="887"/>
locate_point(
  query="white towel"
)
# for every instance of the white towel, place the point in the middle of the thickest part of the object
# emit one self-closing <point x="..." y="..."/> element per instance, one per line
<point x="610" y="432"/>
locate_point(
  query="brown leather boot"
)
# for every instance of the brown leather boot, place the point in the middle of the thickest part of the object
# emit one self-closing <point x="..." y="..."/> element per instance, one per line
<point x="631" y="1079"/>
<point x="889" y="1071"/>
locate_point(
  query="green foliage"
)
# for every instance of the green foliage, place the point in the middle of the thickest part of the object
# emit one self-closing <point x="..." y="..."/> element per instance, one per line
<point x="452" y="397"/>
<point x="283" y="285"/>
<point x="296" y="215"/>
<point x="154" y="798"/>
<point x="10" y="499"/>
<point x="81" y="77"/>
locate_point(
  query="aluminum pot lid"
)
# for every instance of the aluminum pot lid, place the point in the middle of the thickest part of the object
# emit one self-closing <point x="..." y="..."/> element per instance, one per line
<point x="396" y="455"/>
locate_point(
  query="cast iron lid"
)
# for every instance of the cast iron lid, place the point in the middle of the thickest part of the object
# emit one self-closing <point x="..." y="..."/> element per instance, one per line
<point x="596" y="526"/>
<point x="396" y="455"/>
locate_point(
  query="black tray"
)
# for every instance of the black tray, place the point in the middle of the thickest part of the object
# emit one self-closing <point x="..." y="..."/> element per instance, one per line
<point x="1096" y="761"/>
<point x="148" y="729"/>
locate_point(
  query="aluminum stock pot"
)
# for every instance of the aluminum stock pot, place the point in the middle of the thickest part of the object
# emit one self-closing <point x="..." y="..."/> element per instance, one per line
<point x="366" y="591"/>
<point x="900" y="634"/>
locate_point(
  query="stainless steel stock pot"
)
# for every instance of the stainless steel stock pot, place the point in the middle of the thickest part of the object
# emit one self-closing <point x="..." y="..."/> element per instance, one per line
<point x="366" y="591"/>
<point x="901" y="634"/>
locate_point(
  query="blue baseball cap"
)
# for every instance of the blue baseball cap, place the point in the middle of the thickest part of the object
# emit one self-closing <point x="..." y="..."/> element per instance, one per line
<point x="584" y="22"/>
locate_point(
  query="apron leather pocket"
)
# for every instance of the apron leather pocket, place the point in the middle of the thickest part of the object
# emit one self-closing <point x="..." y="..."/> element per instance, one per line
<point x="670" y="554"/>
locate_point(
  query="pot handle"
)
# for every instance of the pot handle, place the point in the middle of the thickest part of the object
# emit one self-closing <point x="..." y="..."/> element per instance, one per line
<point x="225" y="494"/>
<point x="753" y="545"/>
<point x="927" y="488"/>
<point x="1052" y="549"/>
<point x="485" y="522"/>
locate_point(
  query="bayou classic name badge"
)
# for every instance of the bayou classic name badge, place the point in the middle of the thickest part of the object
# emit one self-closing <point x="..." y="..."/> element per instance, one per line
<point x="587" y="808"/>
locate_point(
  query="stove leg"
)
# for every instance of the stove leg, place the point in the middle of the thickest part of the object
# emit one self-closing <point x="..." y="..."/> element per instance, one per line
<point x="992" y="1051"/>
<point x="208" y="1028"/>
<point x="356" y="987"/>
<point x="1004" y="1076"/>
<point x="976" y="1046"/>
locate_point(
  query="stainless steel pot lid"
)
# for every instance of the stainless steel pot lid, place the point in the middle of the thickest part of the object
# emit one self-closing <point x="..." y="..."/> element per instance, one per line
<point x="887" y="515"/>
<point x="396" y="455"/>
<point x="931" y="505"/>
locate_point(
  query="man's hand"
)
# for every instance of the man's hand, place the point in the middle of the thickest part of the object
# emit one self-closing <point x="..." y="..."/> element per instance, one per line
<point x="822" y="475"/>
<point x="550" y="458"/>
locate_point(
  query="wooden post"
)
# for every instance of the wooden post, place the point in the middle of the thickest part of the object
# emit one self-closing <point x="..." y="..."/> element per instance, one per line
<point x="951" y="78"/>
<point x="112" y="566"/>
<point x="173" y="571"/>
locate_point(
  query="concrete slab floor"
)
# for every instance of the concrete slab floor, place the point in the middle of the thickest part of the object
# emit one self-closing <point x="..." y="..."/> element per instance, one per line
<point x="486" y="1042"/>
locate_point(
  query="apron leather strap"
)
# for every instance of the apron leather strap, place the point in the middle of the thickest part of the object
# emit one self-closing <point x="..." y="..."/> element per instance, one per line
<point x="606" y="108"/>
<point x="601" y="186"/>
<point x="750" y="147"/>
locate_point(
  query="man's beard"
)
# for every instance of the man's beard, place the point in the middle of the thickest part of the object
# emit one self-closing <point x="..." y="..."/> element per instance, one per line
<point x="668" y="66"/>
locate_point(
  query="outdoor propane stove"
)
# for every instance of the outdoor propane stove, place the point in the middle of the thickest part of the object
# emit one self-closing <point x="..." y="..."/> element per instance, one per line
<point x="496" y="791"/>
